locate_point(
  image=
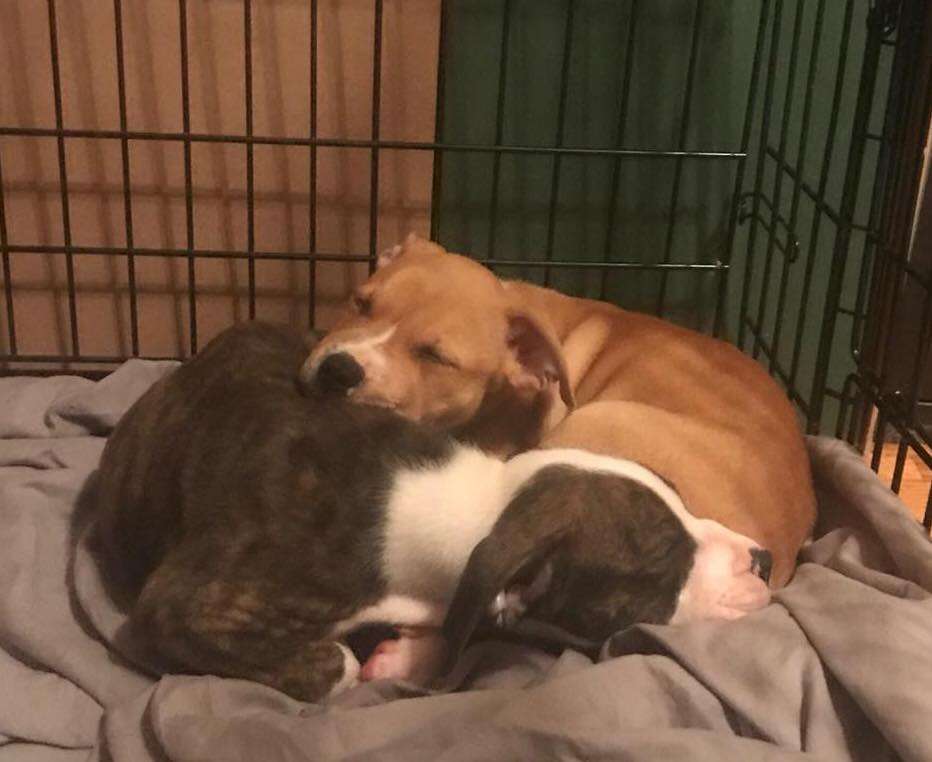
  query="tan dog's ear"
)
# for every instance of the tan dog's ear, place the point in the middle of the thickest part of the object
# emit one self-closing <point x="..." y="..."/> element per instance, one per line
<point x="537" y="358"/>
<point x="388" y="256"/>
<point x="411" y="241"/>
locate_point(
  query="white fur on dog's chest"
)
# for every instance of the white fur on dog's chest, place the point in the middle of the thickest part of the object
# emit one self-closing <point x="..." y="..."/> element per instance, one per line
<point x="434" y="519"/>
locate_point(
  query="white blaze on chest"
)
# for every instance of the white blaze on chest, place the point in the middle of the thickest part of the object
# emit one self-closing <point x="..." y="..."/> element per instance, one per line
<point x="434" y="519"/>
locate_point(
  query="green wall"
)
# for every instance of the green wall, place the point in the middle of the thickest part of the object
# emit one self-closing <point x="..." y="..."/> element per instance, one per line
<point x="659" y="60"/>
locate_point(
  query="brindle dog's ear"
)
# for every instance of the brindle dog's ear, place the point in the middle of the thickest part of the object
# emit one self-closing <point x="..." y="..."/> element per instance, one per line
<point x="492" y="568"/>
<point x="523" y="538"/>
<point x="536" y="354"/>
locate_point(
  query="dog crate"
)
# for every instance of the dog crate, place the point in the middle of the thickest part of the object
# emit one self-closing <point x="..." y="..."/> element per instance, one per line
<point x="750" y="169"/>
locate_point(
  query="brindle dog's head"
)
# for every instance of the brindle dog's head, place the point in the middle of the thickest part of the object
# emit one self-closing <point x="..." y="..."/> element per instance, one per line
<point x="591" y="552"/>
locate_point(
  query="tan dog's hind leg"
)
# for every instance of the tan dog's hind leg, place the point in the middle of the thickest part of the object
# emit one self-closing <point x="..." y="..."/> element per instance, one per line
<point x="717" y="472"/>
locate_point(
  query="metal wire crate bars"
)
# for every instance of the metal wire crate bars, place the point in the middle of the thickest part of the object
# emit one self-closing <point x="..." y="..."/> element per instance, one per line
<point x="778" y="289"/>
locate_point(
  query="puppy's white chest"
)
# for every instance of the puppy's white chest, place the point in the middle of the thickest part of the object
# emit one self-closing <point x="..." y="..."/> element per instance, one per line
<point x="434" y="519"/>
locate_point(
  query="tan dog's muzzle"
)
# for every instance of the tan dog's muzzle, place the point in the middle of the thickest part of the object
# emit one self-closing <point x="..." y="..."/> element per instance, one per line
<point x="341" y="366"/>
<point x="337" y="374"/>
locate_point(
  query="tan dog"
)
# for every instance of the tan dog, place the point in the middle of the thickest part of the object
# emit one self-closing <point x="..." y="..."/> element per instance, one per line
<point x="509" y="365"/>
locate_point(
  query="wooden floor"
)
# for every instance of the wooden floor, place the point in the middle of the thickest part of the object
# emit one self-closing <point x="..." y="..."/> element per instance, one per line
<point x="917" y="477"/>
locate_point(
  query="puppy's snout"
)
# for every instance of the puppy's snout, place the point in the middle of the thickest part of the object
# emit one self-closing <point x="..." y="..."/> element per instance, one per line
<point x="761" y="563"/>
<point x="339" y="373"/>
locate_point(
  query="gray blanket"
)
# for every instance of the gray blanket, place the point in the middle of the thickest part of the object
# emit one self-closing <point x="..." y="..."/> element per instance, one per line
<point x="839" y="667"/>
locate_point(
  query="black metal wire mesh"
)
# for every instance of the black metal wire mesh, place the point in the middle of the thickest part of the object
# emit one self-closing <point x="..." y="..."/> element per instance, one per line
<point x="785" y="291"/>
<point x="847" y="381"/>
<point x="893" y="309"/>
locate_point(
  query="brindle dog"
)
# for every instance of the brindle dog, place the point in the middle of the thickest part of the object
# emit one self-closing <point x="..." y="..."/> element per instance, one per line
<point x="209" y="495"/>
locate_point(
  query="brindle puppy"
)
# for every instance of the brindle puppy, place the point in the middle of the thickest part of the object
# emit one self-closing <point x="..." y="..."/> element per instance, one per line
<point x="231" y="510"/>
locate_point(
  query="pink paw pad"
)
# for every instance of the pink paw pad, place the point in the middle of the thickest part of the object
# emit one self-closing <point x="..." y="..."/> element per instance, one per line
<point x="414" y="659"/>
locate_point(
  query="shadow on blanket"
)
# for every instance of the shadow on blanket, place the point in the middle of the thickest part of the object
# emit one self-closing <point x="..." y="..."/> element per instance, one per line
<point x="837" y="667"/>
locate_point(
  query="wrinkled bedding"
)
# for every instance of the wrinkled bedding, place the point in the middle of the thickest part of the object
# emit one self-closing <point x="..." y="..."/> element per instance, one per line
<point x="838" y="667"/>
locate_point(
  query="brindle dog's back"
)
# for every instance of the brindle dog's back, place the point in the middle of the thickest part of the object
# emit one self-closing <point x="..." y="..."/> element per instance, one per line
<point x="238" y="518"/>
<point x="153" y="453"/>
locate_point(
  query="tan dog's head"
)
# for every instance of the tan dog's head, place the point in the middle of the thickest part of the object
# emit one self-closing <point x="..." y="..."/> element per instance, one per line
<point x="434" y="336"/>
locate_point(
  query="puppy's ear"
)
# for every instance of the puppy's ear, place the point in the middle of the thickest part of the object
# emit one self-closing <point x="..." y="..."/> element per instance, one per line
<point x="536" y="358"/>
<point x="388" y="256"/>
<point x="524" y="537"/>
<point x="412" y="242"/>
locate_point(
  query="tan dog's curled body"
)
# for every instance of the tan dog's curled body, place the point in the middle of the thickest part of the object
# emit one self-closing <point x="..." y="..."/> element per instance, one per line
<point x="511" y="366"/>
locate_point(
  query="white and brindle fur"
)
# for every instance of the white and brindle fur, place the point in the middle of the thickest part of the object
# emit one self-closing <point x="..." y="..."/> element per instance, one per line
<point x="249" y="531"/>
<point x="435" y="518"/>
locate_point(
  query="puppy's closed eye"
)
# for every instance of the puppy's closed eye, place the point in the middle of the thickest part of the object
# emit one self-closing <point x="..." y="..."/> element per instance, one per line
<point x="431" y="353"/>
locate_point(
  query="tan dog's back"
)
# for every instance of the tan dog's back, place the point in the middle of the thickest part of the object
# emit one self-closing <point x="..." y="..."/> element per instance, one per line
<point x="756" y="491"/>
<point x="692" y="408"/>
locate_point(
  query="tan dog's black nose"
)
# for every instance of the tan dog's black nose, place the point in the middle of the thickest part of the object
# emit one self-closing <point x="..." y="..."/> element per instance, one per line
<point x="761" y="563"/>
<point x="337" y="374"/>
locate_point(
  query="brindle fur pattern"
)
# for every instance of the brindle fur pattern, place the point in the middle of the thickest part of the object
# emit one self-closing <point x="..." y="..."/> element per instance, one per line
<point x="232" y="521"/>
<point x="618" y="556"/>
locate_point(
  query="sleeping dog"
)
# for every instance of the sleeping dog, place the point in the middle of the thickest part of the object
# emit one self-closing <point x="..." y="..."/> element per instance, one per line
<point x="250" y="530"/>
<point x="439" y="338"/>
